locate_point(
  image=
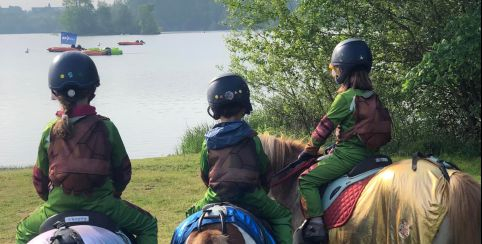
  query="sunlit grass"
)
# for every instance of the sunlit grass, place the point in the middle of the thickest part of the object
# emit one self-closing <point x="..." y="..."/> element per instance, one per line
<point x="165" y="187"/>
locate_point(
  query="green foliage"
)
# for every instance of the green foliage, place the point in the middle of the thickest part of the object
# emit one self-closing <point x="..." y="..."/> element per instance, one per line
<point x="444" y="87"/>
<point x="123" y="18"/>
<point x="193" y="139"/>
<point x="184" y="15"/>
<point x="104" y="18"/>
<point x="15" y="20"/>
<point x="147" y="22"/>
<point x="79" y="18"/>
<point x="283" y="48"/>
<point x="120" y="17"/>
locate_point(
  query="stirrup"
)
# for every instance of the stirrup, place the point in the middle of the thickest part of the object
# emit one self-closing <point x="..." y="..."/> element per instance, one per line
<point x="315" y="232"/>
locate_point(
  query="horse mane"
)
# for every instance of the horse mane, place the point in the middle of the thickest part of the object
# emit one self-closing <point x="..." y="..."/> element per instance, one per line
<point x="208" y="236"/>
<point x="279" y="150"/>
<point x="464" y="208"/>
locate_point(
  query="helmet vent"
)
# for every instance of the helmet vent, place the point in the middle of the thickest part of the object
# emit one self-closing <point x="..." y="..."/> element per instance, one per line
<point x="71" y="93"/>
<point x="229" y="95"/>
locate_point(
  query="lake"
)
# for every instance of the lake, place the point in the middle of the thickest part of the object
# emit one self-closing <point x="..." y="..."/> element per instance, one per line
<point x="152" y="93"/>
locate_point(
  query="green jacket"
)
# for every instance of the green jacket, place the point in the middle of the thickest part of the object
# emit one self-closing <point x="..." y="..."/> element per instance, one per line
<point x="340" y="115"/>
<point x="120" y="164"/>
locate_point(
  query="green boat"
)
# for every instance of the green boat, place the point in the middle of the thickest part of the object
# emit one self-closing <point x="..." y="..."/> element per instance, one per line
<point x="114" y="50"/>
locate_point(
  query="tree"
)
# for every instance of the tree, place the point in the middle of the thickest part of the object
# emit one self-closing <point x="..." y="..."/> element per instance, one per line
<point x="445" y="85"/>
<point x="147" y="23"/>
<point x="283" y="48"/>
<point x="104" y="18"/>
<point x="125" y="22"/>
<point x="79" y="17"/>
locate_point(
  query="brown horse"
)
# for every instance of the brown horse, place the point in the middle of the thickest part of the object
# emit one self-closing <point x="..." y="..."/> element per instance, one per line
<point x="279" y="154"/>
<point x="213" y="234"/>
<point x="389" y="210"/>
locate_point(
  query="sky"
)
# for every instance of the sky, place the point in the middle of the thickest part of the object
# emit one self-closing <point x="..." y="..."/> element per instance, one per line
<point x="28" y="4"/>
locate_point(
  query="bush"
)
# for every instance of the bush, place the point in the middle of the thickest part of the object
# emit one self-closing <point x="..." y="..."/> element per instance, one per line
<point x="193" y="139"/>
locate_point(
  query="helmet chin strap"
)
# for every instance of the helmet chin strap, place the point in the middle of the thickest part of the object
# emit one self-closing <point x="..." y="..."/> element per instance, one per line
<point x="209" y="110"/>
<point x="341" y="79"/>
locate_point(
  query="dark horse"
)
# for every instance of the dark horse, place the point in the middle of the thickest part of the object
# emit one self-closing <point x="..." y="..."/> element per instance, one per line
<point x="389" y="209"/>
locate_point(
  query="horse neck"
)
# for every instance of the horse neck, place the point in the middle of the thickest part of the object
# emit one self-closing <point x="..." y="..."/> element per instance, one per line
<point x="208" y="237"/>
<point x="280" y="151"/>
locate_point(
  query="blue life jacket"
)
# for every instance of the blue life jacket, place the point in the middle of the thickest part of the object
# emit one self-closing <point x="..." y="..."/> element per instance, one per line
<point x="234" y="215"/>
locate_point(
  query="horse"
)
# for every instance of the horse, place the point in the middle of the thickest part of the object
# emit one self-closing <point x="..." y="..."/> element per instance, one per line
<point x="281" y="154"/>
<point x="221" y="223"/>
<point x="452" y="211"/>
<point x="80" y="226"/>
<point x="380" y="214"/>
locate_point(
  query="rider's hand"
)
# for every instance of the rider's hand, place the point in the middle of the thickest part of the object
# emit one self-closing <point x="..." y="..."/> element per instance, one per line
<point x="306" y="155"/>
<point x="330" y="149"/>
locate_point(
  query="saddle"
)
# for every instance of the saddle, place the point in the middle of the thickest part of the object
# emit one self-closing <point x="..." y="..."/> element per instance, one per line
<point x="339" y="197"/>
<point x="222" y="213"/>
<point x="82" y="219"/>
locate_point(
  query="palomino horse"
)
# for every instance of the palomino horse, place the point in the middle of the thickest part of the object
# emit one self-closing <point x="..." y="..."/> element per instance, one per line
<point x="388" y="210"/>
<point x="398" y="205"/>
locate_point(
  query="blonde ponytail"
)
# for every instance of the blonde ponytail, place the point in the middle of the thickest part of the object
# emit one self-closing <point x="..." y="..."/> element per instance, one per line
<point x="62" y="127"/>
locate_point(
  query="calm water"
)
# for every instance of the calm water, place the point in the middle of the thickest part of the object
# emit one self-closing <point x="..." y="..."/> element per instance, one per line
<point x="153" y="93"/>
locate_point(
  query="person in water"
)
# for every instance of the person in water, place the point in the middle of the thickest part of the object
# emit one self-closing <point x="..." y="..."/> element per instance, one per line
<point x="234" y="166"/>
<point x="350" y="66"/>
<point x="82" y="163"/>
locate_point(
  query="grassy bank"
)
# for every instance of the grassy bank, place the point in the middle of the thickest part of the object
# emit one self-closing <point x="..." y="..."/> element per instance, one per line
<point x="166" y="187"/>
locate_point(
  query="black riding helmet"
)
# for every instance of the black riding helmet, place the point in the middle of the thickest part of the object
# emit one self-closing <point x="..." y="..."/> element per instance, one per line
<point x="228" y="89"/>
<point x="351" y="55"/>
<point x="72" y="74"/>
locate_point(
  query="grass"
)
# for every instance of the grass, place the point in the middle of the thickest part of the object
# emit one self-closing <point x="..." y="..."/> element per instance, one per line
<point x="165" y="187"/>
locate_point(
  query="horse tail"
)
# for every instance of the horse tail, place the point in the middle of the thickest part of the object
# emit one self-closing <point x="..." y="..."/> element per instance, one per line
<point x="464" y="208"/>
<point x="209" y="237"/>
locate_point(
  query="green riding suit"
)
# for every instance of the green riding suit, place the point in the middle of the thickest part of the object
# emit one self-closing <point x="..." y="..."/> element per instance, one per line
<point x="346" y="154"/>
<point x="103" y="198"/>
<point x="228" y="135"/>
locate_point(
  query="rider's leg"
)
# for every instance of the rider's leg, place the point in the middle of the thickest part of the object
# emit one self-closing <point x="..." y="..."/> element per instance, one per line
<point x="279" y="217"/>
<point x="209" y="197"/>
<point x="130" y="218"/>
<point x="29" y="227"/>
<point x="312" y="179"/>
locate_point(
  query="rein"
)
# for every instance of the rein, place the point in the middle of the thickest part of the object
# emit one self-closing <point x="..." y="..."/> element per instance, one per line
<point x="298" y="166"/>
<point x="291" y="169"/>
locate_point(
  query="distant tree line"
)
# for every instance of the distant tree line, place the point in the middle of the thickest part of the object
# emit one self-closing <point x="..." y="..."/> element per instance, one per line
<point x="14" y="20"/>
<point x="121" y="17"/>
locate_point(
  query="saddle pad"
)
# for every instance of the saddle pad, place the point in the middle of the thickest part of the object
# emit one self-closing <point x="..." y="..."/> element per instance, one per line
<point x="234" y="215"/>
<point x="342" y="208"/>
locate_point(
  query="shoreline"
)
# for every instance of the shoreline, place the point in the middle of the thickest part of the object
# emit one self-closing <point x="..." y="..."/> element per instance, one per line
<point x="162" y="33"/>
